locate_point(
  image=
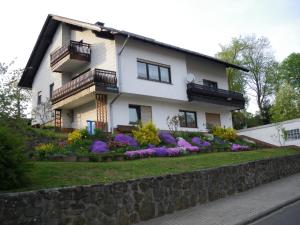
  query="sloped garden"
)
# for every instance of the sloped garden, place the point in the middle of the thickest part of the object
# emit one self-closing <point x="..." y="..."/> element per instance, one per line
<point x="146" y="141"/>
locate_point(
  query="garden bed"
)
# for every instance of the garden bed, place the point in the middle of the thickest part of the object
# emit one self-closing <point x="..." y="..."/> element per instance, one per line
<point x="57" y="174"/>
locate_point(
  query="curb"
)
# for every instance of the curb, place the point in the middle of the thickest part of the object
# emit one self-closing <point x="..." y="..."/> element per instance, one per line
<point x="267" y="212"/>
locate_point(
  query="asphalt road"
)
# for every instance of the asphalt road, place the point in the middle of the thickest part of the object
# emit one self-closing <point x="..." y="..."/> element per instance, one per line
<point x="289" y="215"/>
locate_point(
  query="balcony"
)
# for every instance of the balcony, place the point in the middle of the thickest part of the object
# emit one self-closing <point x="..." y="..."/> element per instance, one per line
<point x="103" y="80"/>
<point x="197" y="92"/>
<point x="70" y="57"/>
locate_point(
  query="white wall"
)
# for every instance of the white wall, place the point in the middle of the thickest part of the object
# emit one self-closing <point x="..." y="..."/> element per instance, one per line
<point x="162" y="109"/>
<point x="268" y="133"/>
<point x="205" y="69"/>
<point x="180" y="66"/>
<point x="83" y="113"/>
<point x="103" y="50"/>
<point x="44" y="76"/>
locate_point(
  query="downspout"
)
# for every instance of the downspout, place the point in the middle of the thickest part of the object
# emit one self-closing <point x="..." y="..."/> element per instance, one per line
<point x="120" y="93"/>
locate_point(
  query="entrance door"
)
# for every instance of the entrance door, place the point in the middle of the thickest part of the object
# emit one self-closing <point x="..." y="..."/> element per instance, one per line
<point x="212" y="120"/>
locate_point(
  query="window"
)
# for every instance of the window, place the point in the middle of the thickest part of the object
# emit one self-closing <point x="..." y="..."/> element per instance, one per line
<point x="51" y="90"/>
<point x="188" y="119"/>
<point x="293" y="134"/>
<point x="154" y="72"/>
<point x="134" y="114"/>
<point x="138" y="113"/>
<point x="210" y="84"/>
<point x="142" y="70"/>
<point x="39" y="98"/>
<point x="165" y="74"/>
<point x="212" y="120"/>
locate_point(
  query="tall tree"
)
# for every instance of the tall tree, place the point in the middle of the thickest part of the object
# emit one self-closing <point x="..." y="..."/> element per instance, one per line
<point x="256" y="54"/>
<point x="13" y="99"/>
<point x="287" y="104"/>
<point x="232" y="53"/>
<point x="289" y="71"/>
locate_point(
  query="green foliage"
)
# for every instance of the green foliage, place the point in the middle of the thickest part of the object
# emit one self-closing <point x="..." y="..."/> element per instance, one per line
<point x="100" y="135"/>
<point x="13" y="164"/>
<point x="13" y="99"/>
<point x="74" y="136"/>
<point x="289" y="72"/>
<point x="146" y="134"/>
<point x="228" y="134"/>
<point x="287" y="104"/>
<point x="44" y="150"/>
<point x="255" y="54"/>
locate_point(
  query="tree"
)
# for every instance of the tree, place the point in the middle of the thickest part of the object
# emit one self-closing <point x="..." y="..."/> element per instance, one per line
<point x="43" y="112"/>
<point x="289" y="71"/>
<point x="232" y="53"/>
<point x="255" y="54"/>
<point x="13" y="99"/>
<point x="287" y="104"/>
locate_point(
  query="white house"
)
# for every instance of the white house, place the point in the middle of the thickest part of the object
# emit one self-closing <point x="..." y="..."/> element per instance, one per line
<point x="116" y="78"/>
<point x="273" y="133"/>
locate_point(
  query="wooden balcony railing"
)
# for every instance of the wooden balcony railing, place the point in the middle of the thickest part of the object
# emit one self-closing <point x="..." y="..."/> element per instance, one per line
<point x="75" y="49"/>
<point x="204" y="93"/>
<point x="104" y="80"/>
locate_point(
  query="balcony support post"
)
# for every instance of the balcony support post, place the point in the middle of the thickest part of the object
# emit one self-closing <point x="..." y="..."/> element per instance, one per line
<point x="57" y="119"/>
<point x="101" y="109"/>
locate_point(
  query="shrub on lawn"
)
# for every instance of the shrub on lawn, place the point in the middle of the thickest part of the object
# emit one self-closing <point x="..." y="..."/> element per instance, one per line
<point x="146" y="134"/>
<point x="167" y="138"/>
<point x="74" y="136"/>
<point x="13" y="164"/>
<point x="224" y="133"/>
<point x="45" y="150"/>
<point x="99" y="147"/>
<point x="125" y="140"/>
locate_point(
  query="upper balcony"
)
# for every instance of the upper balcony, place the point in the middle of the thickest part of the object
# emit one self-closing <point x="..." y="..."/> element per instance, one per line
<point x="102" y="80"/>
<point x="70" y="57"/>
<point x="198" y="92"/>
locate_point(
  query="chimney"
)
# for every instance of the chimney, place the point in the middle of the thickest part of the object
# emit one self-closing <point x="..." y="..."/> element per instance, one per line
<point x="100" y="24"/>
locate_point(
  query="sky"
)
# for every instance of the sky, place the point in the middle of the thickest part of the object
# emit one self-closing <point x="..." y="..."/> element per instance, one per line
<point x="193" y="24"/>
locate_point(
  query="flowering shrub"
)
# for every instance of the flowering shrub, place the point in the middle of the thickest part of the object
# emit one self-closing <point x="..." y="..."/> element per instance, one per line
<point x="237" y="147"/>
<point x="146" y="134"/>
<point x="167" y="138"/>
<point x="202" y="144"/>
<point x="224" y="133"/>
<point x="99" y="147"/>
<point x="160" y="152"/>
<point x="186" y="145"/>
<point x="125" y="140"/>
<point x="76" y="135"/>
<point x="44" y="149"/>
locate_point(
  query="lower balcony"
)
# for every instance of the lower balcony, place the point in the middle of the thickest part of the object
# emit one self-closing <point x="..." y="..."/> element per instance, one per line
<point x="197" y="92"/>
<point x="100" y="80"/>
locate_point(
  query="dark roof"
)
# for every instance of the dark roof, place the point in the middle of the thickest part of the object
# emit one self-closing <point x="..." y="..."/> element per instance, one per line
<point x="48" y="31"/>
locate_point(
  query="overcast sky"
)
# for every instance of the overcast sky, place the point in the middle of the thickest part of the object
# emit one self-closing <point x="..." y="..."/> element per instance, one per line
<point x="193" y="24"/>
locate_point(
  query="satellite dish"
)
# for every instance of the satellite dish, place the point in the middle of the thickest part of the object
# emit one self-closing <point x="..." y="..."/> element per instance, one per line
<point x="190" y="78"/>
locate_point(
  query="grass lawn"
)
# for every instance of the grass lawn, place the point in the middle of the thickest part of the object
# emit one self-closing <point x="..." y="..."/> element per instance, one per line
<point x="57" y="174"/>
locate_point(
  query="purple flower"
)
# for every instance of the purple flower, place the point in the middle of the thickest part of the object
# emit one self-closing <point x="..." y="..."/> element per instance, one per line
<point x="197" y="141"/>
<point x="202" y="144"/>
<point x="99" y="147"/>
<point x="167" y="138"/>
<point x="237" y="147"/>
<point x="161" y="151"/>
<point x="184" y="144"/>
<point x="126" y="139"/>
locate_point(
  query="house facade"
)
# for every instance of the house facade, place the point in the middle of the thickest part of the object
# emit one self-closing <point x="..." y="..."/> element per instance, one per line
<point x="90" y="72"/>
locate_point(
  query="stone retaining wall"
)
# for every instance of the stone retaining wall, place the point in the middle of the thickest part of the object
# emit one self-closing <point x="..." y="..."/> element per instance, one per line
<point x="129" y="202"/>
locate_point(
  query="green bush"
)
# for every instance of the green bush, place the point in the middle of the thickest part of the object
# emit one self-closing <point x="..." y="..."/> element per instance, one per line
<point x="146" y="134"/>
<point x="13" y="164"/>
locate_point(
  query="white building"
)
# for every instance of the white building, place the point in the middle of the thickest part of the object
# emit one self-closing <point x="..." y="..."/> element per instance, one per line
<point x="273" y="133"/>
<point x="116" y="78"/>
